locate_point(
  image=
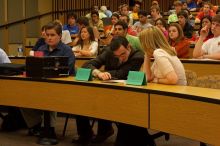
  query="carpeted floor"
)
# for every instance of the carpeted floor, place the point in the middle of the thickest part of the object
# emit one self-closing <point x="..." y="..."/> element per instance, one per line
<point x="20" y="138"/>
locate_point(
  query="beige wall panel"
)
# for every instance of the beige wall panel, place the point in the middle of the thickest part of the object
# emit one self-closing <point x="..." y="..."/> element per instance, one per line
<point x="2" y="12"/>
<point x="45" y="20"/>
<point x="44" y="6"/>
<point x="15" y="12"/>
<point x="15" y="33"/>
<point x="1" y="40"/>
<point x="33" y="28"/>
<point x="31" y="8"/>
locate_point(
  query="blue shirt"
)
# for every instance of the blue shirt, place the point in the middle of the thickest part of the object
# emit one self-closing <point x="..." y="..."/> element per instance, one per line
<point x="61" y="50"/>
<point x="72" y="29"/>
<point x="192" y="5"/>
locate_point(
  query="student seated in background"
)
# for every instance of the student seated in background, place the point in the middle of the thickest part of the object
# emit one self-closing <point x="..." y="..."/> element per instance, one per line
<point x="211" y="48"/>
<point x="33" y="117"/>
<point x="66" y="38"/>
<point x="95" y="21"/>
<point x="178" y="40"/>
<point x="184" y="23"/>
<point x="72" y="27"/>
<point x="143" y="21"/>
<point x="119" y="58"/>
<point x="206" y="11"/>
<point x="121" y="29"/>
<point x="173" y="17"/>
<point x="191" y="4"/>
<point x="131" y="30"/>
<point x="161" y="24"/>
<point x="206" y="21"/>
<point x="110" y="28"/>
<point x="96" y="8"/>
<point x="86" y="45"/>
<point x="41" y="41"/>
<point x="155" y="14"/>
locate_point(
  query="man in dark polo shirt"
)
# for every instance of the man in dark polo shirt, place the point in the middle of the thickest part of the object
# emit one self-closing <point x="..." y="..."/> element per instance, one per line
<point x="32" y="117"/>
<point x="119" y="58"/>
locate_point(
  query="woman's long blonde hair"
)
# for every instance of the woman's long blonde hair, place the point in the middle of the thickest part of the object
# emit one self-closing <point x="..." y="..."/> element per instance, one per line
<point x="152" y="38"/>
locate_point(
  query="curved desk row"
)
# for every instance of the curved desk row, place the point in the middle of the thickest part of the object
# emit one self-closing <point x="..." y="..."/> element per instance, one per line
<point x="190" y="112"/>
<point x="200" y="66"/>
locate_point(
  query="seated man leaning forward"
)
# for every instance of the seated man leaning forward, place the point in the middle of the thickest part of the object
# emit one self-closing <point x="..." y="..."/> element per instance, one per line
<point x="33" y="117"/>
<point x="118" y="58"/>
<point x="211" y="48"/>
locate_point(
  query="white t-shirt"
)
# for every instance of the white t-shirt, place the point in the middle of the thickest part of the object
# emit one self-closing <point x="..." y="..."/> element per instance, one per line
<point x="93" y="48"/>
<point x="142" y="26"/>
<point x="66" y="38"/>
<point x="4" y="57"/>
<point x="212" y="45"/>
<point x="165" y="63"/>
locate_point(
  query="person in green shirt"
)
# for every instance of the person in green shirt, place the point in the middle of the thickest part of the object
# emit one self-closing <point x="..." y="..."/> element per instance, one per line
<point x="121" y="29"/>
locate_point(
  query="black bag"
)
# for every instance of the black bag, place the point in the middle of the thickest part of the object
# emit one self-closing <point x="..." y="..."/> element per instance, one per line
<point x="11" y="69"/>
<point x="13" y="120"/>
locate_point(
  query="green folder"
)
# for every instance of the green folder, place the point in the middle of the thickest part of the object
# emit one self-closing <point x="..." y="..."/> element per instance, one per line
<point x="136" y="78"/>
<point x="84" y="74"/>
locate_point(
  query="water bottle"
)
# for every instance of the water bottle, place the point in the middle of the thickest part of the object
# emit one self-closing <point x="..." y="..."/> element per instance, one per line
<point x="20" y="51"/>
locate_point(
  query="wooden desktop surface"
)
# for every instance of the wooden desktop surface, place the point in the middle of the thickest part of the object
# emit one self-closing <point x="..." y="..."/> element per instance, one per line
<point x="191" y="112"/>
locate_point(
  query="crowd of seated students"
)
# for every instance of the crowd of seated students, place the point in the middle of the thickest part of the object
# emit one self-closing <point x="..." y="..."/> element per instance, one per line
<point x="165" y="44"/>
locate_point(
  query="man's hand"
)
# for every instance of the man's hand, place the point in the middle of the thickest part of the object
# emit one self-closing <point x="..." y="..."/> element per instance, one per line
<point x="104" y="76"/>
<point x="204" y="32"/>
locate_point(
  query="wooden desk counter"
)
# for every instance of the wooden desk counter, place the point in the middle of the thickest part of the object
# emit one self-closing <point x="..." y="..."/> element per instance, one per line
<point x="202" y="66"/>
<point x="187" y="111"/>
<point x="103" y="101"/>
<point x="191" y="112"/>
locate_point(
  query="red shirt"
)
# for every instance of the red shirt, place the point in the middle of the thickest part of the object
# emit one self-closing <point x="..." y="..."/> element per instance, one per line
<point x="201" y="14"/>
<point x="181" y="47"/>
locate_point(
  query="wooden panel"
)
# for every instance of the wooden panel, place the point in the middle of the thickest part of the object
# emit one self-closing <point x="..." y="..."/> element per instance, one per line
<point x="16" y="31"/>
<point x="203" y="69"/>
<point x="111" y="104"/>
<point x="188" y="118"/>
<point x="2" y="12"/>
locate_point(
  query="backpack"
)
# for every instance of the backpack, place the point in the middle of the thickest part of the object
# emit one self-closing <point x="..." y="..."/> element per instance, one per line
<point x="13" y="120"/>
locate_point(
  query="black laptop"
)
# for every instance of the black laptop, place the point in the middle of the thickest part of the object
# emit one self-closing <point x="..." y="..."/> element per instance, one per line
<point x="47" y="66"/>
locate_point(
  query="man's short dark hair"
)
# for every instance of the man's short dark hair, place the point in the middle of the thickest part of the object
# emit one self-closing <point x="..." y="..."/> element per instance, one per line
<point x="54" y="25"/>
<point x="123" y="24"/>
<point x="71" y="14"/>
<point x="83" y="21"/>
<point x="142" y="12"/>
<point x="94" y="12"/>
<point x="183" y="13"/>
<point x="117" y="41"/>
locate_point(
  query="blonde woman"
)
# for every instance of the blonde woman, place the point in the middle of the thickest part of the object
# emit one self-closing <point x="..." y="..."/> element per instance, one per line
<point x="166" y="68"/>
